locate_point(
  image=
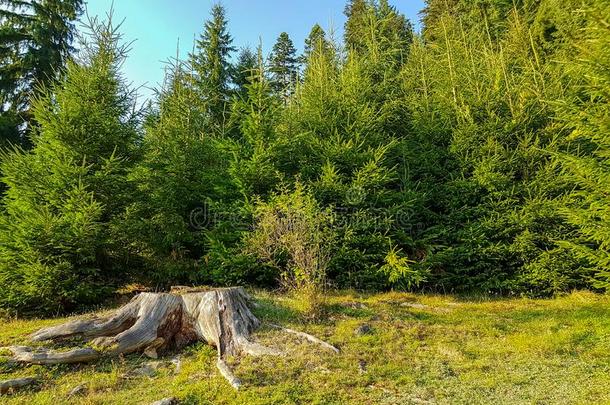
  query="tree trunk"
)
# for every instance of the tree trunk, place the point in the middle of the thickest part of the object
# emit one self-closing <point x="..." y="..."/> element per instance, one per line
<point x="153" y="322"/>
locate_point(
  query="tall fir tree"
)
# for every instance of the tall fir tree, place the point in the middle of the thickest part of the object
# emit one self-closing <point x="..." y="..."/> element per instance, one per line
<point x="244" y="70"/>
<point x="212" y="67"/>
<point x="358" y="13"/>
<point x="56" y="244"/>
<point x="283" y="66"/>
<point x="586" y="115"/>
<point x="35" y="43"/>
<point x="377" y="28"/>
<point x="316" y="41"/>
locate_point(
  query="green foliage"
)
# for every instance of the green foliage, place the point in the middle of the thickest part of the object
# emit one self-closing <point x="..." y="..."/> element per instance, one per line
<point x="293" y="234"/>
<point x="283" y="66"/>
<point x="376" y="28"/>
<point x="471" y="158"/>
<point x="212" y="70"/>
<point x="399" y="271"/>
<point x="57" y="249"/>
<point x="585" y="113"/>
<point x="316" y="41"/>
<point x="243" y="69"/>
<point x="35" y="43"/>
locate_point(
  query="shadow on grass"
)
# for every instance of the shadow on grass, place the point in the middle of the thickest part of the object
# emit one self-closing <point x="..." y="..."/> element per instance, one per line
<point x="269" y="310"/>
<point x="564" y="315"/>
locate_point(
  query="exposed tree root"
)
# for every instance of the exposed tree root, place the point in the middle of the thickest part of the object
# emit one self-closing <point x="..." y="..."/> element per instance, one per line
<point x="11" y="385"/>
<point x="153" y="322"/>
<point x="307" y="336"/>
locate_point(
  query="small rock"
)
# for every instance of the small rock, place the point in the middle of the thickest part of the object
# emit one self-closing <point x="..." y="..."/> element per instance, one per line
<point x="148" y="370"/>
<point x="355" y="305"/>
<point x="166" y="401"/>
<point x="363" y="329"/>
<point x="79" y="390"/>
<point x="362" y="366"/>
<point x="177" y="362"/>
<point x="414" y="305"/>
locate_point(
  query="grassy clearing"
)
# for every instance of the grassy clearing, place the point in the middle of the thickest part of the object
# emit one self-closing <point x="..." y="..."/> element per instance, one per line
<point x="421" y="349"/>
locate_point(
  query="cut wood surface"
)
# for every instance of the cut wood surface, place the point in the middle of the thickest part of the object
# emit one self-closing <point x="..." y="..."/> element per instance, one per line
<point x="157" y="322"/>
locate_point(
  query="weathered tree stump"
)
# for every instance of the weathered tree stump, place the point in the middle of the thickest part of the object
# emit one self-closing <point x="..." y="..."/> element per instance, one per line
<point x="153" y="322"/>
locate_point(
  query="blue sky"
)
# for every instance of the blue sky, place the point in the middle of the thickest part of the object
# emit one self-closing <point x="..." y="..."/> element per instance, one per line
<point x="157" y="26"/>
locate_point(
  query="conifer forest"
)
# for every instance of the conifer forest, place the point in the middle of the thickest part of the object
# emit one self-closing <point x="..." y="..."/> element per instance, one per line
<point x="466" y="160"/>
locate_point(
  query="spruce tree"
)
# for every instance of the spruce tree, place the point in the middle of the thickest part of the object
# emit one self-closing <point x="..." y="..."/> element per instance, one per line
<point x="56" y="247"/>
<point x="176" y="178"/>
<point x="35" y="43"/>
<point x="377" y="28"/>
<point x="283" y="66"/>
<point x="358" y="13"/>
<point x="316" y="41"/>
<point x="585" y="114"/>
<point x="243" y="70"/>
<point x="212" y="68"/>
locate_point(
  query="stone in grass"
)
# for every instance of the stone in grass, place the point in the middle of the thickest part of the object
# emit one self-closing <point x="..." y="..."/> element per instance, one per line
<point x="414" y="305"/>
<point x="363" y="329"/>
<point x="166" y="401"/>
<point x="149" y="369"/>
<point x="79" y="390"/>
<point x="355" y="305"/>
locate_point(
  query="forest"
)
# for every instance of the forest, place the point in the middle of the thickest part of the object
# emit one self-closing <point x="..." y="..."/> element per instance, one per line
<point x="448" y="185"/>
<point x="471" y="157"/>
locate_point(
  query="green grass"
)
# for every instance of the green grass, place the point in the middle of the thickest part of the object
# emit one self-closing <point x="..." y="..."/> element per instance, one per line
<point x="446" y="351"/>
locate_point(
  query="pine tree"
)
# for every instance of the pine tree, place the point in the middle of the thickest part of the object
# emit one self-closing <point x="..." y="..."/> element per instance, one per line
<point x="56" y="248"/>
<point x="586" y="116"/>
<point x="377" y="28"/>
<point x="178" y="175"/>
<point x="243" y="70"/>
<point x="358" y="13"/>
<point x="35" y="43"/>
<point x="253" y="171"/>
<point x="212" y="67"/>
<point x="395" y="29"/>
<point x="283" y="66"/>
<point x="315" y="41"/>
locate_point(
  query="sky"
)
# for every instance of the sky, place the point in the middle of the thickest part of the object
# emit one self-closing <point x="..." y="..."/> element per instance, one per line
<point x="161" y="27"/>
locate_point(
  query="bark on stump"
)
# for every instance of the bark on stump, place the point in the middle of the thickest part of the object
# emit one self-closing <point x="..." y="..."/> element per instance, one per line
<point x="153" y="322"/>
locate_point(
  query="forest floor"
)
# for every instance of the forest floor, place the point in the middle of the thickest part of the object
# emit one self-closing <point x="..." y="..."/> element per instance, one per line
<point x="421" y="349"/>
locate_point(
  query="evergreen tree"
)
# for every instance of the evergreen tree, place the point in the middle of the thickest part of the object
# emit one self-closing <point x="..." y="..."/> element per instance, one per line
<point x="177" y="178"/>
<point x="395" y="28"/>
<point x="243" y="70"/>
<point x="585" y="114"/>
<point x="212" y="68"/>
<point x="358" y="13"/>
<point x="283" y="66"/>
<point x="315" y="41"/>
<point x="56" y="246"/>
<point x="376" y="29"/>
<point x="35" y="43"/>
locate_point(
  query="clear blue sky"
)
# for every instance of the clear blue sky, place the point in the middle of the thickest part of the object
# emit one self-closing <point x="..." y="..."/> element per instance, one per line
<point x="158" y="25"/>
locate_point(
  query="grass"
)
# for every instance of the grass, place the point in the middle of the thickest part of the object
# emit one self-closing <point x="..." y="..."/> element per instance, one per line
<point x="422" y="349"/>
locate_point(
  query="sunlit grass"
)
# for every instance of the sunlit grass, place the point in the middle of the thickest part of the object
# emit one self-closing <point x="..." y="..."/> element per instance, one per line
<point x="421" y="349"/>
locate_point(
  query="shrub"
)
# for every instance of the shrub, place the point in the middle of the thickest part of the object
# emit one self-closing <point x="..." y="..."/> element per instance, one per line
<point x="293" y="234"/>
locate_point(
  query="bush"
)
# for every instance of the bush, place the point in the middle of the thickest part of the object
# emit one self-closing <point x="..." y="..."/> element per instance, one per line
<point x="293" y="234"/>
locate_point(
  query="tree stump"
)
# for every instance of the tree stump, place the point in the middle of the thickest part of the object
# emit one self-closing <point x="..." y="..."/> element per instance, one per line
<point x="153" y="322"/>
